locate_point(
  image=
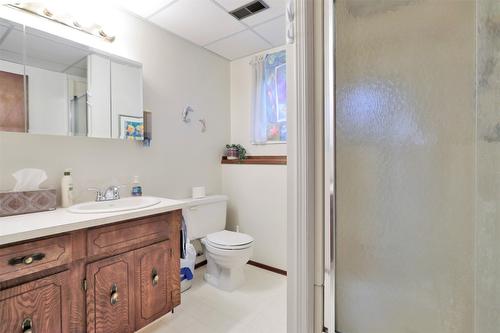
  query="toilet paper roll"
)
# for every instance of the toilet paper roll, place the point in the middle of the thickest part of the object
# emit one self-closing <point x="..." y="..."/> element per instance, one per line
<point x="198" y="192"/>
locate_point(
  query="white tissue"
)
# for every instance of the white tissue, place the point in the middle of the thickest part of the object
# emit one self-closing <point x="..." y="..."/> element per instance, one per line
<point x="198" y="192"/>
<point x="29" y="179"/>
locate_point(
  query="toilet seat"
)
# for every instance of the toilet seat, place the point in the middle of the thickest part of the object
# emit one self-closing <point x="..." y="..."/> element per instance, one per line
<point x="229" y="240"/>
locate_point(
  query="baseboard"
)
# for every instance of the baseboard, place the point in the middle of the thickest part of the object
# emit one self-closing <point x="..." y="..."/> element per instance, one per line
<point x="267" y="268"/>
<point x="253" y="263"/>
<point x="200" y="264"/>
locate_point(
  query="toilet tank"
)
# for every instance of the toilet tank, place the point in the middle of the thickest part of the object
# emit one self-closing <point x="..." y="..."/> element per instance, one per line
<point x="205" y="216"/>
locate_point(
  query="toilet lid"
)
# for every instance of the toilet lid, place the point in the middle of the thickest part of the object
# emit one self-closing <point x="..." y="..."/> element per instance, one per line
<point x="229" y="238"/>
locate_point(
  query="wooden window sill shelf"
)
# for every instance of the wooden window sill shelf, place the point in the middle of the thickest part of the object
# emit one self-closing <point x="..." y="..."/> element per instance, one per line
<point x="269" y="160"/>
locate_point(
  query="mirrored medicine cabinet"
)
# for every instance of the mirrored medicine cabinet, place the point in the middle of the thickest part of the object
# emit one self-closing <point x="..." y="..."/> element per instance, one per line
<point x="51" y="85"/>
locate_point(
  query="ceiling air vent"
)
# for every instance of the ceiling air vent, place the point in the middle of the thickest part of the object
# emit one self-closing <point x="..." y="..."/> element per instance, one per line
<point x="249" y="9"/>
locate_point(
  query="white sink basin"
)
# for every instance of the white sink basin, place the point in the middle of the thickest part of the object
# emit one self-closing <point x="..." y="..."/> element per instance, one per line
<point x="112" y="206"/>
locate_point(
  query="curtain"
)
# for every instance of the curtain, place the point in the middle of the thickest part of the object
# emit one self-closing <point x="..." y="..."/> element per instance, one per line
<point x="259" y="114"/>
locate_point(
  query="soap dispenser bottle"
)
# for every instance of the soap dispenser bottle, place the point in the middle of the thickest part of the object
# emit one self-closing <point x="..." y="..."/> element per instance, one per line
<point x="136" y="187"/>
<point x="67" y="189"/>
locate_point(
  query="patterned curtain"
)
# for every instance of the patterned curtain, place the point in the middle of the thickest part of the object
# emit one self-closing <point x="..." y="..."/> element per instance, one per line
<point x="269" y="107"/>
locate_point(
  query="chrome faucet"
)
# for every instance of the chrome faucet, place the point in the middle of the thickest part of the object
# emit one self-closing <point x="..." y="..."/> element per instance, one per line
<point x="110" y="193"/>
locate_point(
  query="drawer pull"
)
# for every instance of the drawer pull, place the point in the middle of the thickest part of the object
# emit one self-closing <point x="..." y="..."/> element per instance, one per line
<point x="155" y="278"/>
<point x="27" y="326"/>
<point x="114" y="294"/>
<point x="27" y="260"/>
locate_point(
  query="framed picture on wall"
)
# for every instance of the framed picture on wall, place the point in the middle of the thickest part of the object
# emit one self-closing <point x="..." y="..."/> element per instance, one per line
<point x="131" y="128"/>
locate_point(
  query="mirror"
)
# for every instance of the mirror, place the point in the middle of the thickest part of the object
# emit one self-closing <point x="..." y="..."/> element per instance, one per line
<point x="12" y="93"/>
<point x="50" y="85"/>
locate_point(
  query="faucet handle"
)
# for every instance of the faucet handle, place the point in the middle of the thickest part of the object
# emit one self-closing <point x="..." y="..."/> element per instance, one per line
<point x="112" y="192"/>
<point x="99" y="193"/>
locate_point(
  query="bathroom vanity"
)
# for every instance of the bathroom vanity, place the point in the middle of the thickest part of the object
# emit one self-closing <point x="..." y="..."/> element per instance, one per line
<point x="114" y="272"/>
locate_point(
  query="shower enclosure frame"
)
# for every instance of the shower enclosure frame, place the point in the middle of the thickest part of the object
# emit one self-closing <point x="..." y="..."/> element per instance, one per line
<point x="329" y="167"/>
<point x="300" y="171"/>
<point x="306" y="210"/>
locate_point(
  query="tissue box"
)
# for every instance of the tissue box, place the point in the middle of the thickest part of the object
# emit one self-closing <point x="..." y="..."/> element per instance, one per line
<point x="14" y="203"/>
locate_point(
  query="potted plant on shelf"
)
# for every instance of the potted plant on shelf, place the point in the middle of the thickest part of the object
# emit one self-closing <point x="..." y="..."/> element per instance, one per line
<point x="235" y="152"/>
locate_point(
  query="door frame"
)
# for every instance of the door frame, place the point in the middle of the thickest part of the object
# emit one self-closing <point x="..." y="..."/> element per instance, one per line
<point x="305" y="170"/>
<point x="329" y="180"/>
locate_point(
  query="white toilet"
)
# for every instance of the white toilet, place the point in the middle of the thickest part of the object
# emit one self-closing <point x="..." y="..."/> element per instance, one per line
<point x="227" y="252"/>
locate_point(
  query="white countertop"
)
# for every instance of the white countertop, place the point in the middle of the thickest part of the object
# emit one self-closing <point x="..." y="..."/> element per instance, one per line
<point x="28" y="226"/>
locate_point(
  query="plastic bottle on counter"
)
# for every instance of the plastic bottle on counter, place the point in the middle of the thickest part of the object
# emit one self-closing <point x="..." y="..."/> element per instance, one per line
<point x="136" y="187"/>
<point x="67" y="189"/>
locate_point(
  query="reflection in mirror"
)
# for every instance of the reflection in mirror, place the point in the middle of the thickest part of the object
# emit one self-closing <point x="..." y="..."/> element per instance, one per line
<point x="53" y="66"/>
<point x="56" y="86"/>
<point x="12" y="88"/>
<point x="77" y="94"/>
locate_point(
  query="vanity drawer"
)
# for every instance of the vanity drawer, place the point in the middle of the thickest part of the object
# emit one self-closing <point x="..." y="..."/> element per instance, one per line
<point x="32" y="257"/>
<point x="129" y="235"/>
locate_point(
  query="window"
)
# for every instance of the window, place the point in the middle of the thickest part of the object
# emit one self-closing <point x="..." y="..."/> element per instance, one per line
<point x="269" y="110"/>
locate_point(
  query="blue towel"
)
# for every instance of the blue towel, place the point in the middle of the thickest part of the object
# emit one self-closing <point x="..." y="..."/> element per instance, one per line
<point x="183" y="239"/>
<point x="186" y="274"/>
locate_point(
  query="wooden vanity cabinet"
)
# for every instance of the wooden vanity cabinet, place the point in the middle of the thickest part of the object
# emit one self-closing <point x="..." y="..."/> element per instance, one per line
<point x="152" y="281"/>
<point x="39" y="306"/>
<point x="115" y="278"/>
<point x="110" y="295"/>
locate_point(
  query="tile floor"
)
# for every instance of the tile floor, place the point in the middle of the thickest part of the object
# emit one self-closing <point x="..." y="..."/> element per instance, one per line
<point x="257" y="307"/>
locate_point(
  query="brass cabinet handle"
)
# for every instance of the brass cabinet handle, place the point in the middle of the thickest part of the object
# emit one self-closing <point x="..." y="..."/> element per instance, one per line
<point x="27" y="326"/>
<point x="155" y="278"/>
<point x="27" y="260"/>
<point x="114" y="294"/>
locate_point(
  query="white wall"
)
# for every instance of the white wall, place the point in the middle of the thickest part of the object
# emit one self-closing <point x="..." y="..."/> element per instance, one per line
<point x="176" y="73"/>
<point x="257" y="193"/>
<point x="257" y="204"/>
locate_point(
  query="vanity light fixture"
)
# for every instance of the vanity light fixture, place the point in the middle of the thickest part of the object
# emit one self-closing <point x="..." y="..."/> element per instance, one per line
<point x="61" y="16"/>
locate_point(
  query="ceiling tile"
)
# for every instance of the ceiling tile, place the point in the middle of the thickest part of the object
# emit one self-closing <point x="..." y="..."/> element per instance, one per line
<point x="274" y="31"/>
<point x="276" y="8"/>
<point x="200" y="21"/>
<point x="239" y="45"/>
<point x="144" y="8"/>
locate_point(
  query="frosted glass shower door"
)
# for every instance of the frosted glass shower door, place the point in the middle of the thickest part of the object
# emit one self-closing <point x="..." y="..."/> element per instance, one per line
<point x="405" y="115"/>
<point x="488" y="168"/>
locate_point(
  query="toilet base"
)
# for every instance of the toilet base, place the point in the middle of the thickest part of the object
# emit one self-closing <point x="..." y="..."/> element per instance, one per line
<point x="227" y="279"/>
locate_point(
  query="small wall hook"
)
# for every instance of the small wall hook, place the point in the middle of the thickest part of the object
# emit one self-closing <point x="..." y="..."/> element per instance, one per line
<point x="203" y="125"/>
<point x="185" y="114"/>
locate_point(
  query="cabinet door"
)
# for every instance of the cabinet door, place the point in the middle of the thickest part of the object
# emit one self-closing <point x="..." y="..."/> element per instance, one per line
<point x="126" y="95"/>
<point x="99" y="96"/>
<point x="153" y="295"/>
<point x="39" y="306"/>
<point x="110" y="297"/>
